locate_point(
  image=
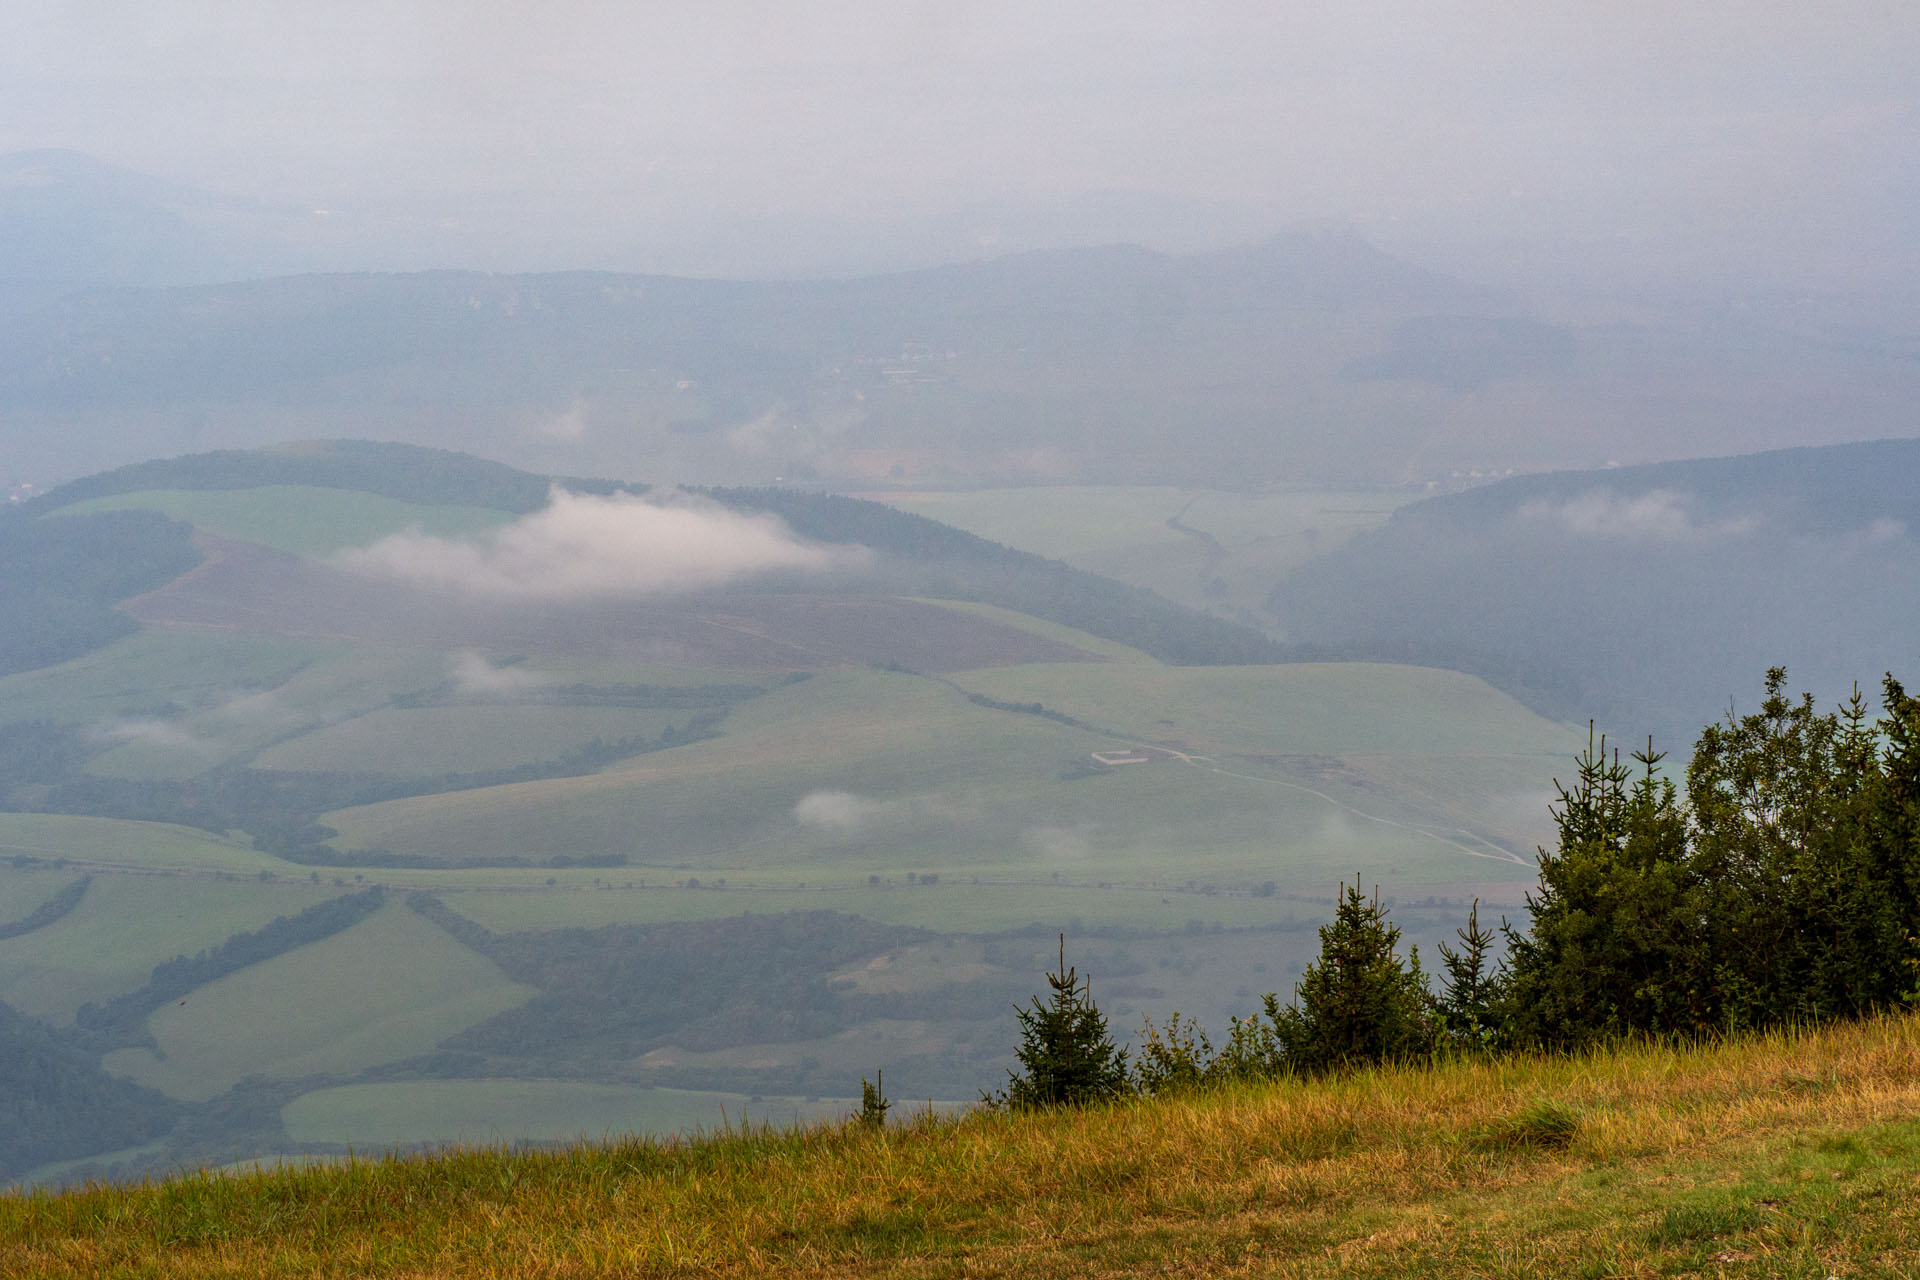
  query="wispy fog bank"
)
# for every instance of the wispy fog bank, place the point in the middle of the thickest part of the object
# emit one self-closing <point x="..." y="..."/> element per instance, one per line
<point x="1662" y="515"/>
<point x="585" y="547"/>
<point x="474" y="677"/>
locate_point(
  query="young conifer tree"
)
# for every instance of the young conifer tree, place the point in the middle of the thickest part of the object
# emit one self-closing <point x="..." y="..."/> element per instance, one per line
<point x="1466" y="1005"/>
<point x="1067" y="1057"/>
<point x="1359" y="1003"/>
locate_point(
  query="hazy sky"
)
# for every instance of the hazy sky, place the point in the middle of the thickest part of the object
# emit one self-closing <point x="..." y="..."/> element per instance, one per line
<point x="1686" y="120"/>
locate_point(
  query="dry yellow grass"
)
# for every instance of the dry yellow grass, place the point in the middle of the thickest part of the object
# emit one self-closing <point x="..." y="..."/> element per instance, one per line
<point x="1776" y="1155"/>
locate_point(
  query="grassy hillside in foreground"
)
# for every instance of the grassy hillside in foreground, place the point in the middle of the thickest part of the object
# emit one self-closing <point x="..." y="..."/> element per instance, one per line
<point x="1778" y="1155"/>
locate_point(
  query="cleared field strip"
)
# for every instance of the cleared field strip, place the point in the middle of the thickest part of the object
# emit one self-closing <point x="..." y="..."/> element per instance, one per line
<point x="390" y="987"/>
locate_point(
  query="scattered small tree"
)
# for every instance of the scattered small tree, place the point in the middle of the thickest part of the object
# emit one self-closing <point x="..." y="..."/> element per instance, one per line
<point x="1067" y="1057"/>
<point x="1176" y="1058"/>
<point x="873" y="1100"/>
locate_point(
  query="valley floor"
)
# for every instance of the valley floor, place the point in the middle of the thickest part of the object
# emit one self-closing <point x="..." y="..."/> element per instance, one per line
<point x="1783" y="1155"/>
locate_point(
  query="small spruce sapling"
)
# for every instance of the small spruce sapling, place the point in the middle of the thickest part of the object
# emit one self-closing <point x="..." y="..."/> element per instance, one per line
<point x="1066" y="1055"/>
<point x="1359" y="1003"/>
<point x="1466" y="1006"/>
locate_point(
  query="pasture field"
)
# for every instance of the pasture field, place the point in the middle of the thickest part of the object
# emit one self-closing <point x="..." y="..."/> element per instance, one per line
<point x="426" y="741"/>
<point x="954" y="904"/>
<point x="116" y="842"/>
<point x="125" y="925"/>
<point x="233" y="723"/>
<point x="490" y="1112"/>
<point x="855" y="774"/>
<point x="25" y="885"/>
<point x="301" y="519"/>
<point x="1204" y="548"/>
<point x="390" y="987"/>
<point x="731" y="801"/>
<point x="158" y="672"/>
<point x="1111" y="650"/>
<point x="1321" y="708"/>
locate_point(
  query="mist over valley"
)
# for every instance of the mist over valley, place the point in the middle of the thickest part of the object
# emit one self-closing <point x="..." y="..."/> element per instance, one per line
<point x="630" y="572"/>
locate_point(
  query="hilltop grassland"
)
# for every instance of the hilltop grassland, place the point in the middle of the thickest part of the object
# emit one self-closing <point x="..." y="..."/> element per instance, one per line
<point x="1784" y="1154"/>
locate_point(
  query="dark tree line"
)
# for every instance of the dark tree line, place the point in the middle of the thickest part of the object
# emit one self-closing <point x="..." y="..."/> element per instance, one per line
<point x="47" y="912"/>
<point x="1785" y="889"/>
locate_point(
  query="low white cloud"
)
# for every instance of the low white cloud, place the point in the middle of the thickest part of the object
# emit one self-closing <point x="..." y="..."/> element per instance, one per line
<point x="838" y="811"/>
<point x="475" y="677"/>
<point x="155" y="733"/>
<point x="1661" y="515"/>
<point x="847" y="814"/>
<point x="583" y="547"/>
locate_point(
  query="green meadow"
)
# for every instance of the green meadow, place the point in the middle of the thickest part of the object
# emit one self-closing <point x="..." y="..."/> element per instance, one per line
<point x="855" y="774"/>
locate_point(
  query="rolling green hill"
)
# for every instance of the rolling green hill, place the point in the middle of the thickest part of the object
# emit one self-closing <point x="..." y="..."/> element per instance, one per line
<point x="935" y="756"/>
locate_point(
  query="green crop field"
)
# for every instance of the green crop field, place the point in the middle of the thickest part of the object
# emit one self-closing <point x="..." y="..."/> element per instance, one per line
<point x="158" y="672"/>
<point x="1318" y="708"/>
<point x="233" y="723"/>
<point x="489" y="1112"/>
<point x="113" y="842"/>
<point x="864" y="774"/>
<point x="125" y="925"/>
<point x="390" y="987"/>
<point x="426" y="741"/>
<point x="301" y="519"/>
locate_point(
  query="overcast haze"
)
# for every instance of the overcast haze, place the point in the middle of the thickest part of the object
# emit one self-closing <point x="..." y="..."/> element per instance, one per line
<point x="1779" y="142"/>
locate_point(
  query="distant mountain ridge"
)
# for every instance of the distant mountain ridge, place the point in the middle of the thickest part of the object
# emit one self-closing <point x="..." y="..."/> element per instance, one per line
<point x="1311" y="357"/>
<point x="1650" y="597"/>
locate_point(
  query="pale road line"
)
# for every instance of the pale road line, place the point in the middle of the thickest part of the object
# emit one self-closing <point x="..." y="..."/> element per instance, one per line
<point x="1358" y="813"/>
